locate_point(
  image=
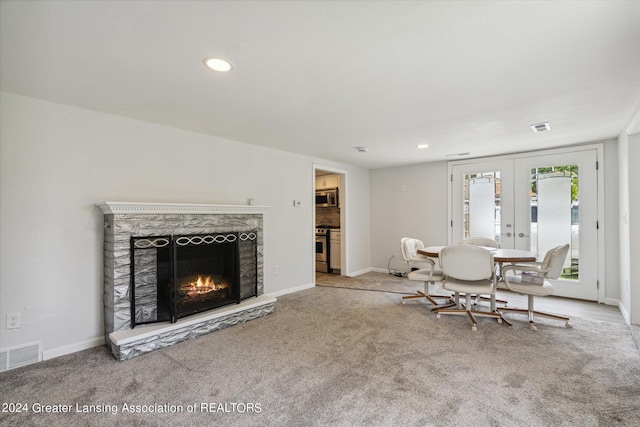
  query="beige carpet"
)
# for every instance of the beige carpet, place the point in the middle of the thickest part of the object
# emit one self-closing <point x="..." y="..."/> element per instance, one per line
<point x="341" y="356"/>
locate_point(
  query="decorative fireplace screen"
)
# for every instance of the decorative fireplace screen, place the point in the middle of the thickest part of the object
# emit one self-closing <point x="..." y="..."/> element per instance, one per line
<point x="177" y="276"/>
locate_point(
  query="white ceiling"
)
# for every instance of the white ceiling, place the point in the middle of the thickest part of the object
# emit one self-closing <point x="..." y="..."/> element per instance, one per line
<point x="320" y="78"/>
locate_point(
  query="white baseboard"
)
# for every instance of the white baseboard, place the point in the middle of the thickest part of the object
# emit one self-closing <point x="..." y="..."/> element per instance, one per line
<point x="291" y="290"/>
<point x="625" y="313"/>
<point x="72" y="348"/>
<point x="366" y="270"/>
<point x="612" y="301"/>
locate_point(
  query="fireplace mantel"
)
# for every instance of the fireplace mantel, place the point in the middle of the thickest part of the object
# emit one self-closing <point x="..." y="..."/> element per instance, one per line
<point x="177" y="208"/>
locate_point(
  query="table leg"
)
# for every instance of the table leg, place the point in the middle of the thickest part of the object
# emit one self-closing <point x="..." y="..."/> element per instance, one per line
<point x="493" y="295"/>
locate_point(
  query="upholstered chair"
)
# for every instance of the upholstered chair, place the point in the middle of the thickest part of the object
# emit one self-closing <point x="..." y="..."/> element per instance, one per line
<point x="532" y="279"/>
<point x="485" y="242"/>
<point x="481" y="241"/>
<point x="468" y="270"/>
<point x="428" y="274"/>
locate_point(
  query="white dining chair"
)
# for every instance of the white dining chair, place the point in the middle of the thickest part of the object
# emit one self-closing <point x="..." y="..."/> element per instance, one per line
<point x="428" y="274"/>
<point x="481" y="241"/>
<point x="409" y="251"/>
<point x="468" y="269"/>
<point x="485" y="242"/>
<point x="532" y="279"/>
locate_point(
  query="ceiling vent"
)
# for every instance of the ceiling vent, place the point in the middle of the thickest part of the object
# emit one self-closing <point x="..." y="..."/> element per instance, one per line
<point x="541" y="127"/>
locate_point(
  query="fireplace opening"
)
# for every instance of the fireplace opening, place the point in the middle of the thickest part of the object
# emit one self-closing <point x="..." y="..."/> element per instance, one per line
<point x="177" y="276"/>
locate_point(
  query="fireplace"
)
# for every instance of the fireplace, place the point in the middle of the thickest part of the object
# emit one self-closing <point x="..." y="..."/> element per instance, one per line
<point x="177" y="276"/>
<point x="173" y="272"/>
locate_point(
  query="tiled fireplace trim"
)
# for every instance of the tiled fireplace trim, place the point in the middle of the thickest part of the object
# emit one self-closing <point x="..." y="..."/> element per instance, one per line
<point x="121" y="221"/>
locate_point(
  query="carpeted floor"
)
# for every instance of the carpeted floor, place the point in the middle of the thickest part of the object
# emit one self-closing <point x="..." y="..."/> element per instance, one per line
<point x="342" y="356"/>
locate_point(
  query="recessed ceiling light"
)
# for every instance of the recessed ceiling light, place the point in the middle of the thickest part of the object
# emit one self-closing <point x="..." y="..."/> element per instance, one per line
<point x="218" y="64"/>
<point x="422" y="146"/>
<point x="541" y="127"/>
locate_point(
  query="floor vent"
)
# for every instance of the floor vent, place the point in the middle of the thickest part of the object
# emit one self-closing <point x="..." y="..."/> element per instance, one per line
<point x="15" y="357"/>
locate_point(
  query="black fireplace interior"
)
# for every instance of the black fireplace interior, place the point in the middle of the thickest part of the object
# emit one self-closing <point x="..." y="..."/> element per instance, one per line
<point x="177" y="276"/>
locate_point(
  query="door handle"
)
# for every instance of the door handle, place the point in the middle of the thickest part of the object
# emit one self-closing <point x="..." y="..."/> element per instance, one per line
<point x="508" y="234"/>
<point x="522" y="235"/>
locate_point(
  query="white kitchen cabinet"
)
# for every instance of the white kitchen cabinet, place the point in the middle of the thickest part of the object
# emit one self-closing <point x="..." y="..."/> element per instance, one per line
<point x="334" y="249"/>
<point x="327" y="181"/>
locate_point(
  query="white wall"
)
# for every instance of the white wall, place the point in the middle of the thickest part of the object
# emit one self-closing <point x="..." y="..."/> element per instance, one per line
<point x="57" y="162"/>
<point x="629" y="219"/>
<point x="419" y="211"/>
<point x="611" y="223"/>
<point x="629" y="175"/>
<point x="634" y="228"/>
<point x="623" y="192"/>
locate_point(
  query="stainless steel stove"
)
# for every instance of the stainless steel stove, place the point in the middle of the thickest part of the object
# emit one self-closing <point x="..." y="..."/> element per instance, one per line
<point x="322" y="248"/>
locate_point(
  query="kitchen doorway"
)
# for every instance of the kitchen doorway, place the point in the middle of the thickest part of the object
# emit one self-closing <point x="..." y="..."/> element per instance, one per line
<point x="329" y="220"/>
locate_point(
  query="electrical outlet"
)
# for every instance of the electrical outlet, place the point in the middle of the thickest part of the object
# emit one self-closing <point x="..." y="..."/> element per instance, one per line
<point x="13" y="320"/>
<point x="276" y="269"/>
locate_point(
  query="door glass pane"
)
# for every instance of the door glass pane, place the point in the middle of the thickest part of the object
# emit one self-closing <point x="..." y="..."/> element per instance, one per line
<point x="482" y="205"/>
<point x="555" y="213"/>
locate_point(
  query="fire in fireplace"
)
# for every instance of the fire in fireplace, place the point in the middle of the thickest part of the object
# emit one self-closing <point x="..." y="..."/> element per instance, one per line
<point x="177" y="276"/>
<point x="202" y="286"/>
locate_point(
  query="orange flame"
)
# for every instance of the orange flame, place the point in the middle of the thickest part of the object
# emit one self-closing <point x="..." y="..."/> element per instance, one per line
<point x="203" y="285"/>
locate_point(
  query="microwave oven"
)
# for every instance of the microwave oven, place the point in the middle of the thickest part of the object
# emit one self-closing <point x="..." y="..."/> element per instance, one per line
<point x="327" y="198"/>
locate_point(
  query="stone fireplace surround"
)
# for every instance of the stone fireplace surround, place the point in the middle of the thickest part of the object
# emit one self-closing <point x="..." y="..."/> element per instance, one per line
<point x="123" y="220"/>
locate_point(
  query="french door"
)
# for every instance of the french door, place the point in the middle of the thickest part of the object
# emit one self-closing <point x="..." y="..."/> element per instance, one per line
<point x="534" y="202"/>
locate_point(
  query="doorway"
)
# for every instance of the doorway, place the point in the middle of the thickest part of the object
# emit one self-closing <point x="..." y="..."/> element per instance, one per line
<point x="329" y="220"/>
<point x="535" y="201"/>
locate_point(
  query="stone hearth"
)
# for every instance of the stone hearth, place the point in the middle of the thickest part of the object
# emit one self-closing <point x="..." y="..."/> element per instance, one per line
<point x="124" y="220"/>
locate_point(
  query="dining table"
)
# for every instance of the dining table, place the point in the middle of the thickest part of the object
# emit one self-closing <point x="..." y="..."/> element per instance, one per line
<point x="500" y="256"/>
